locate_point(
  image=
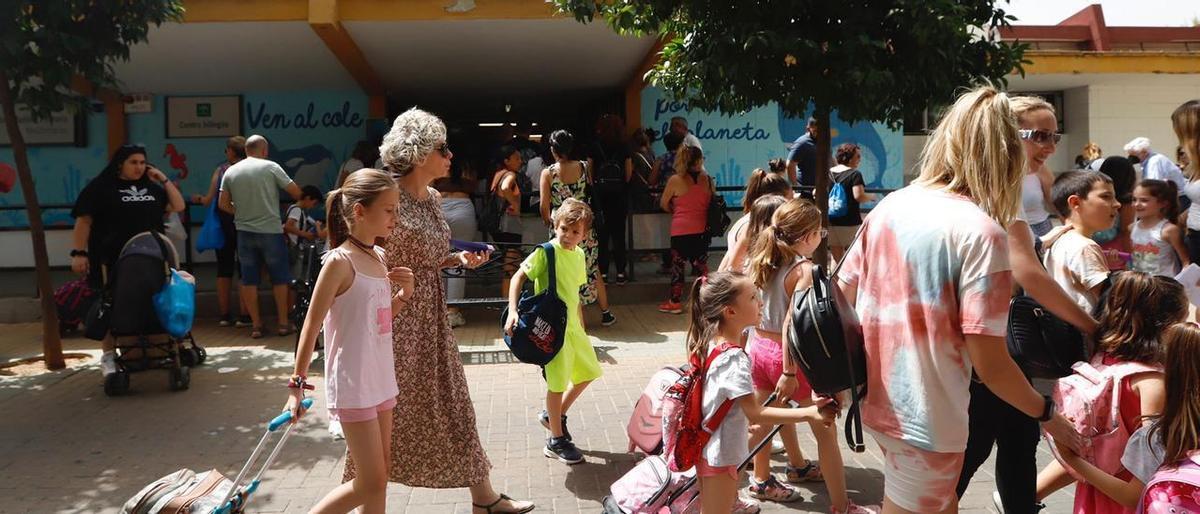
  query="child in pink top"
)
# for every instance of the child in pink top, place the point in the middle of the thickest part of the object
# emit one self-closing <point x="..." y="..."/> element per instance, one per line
<point x="353" y="298"/>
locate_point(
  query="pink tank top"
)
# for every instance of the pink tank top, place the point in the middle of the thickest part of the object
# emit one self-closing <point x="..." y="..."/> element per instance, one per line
<point x="691" y="209"/>
<point x="359" y="370"/>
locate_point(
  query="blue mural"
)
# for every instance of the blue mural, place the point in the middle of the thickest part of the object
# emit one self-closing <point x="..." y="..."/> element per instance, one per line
<point x="310" y="132"/>
<point x="735" y="145"/>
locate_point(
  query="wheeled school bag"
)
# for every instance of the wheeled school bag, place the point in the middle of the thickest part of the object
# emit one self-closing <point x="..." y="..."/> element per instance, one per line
<point x="1091" y="399"/>
<point x="1173" y="489"/>
<point x="645" y="425"/>
<point x="188" y="492"/>
<point x="685" y="431"/>
<point x="541" y="321"/>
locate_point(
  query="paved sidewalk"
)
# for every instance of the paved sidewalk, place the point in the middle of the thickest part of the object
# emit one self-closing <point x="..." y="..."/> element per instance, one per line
<point x="65" y="447"/>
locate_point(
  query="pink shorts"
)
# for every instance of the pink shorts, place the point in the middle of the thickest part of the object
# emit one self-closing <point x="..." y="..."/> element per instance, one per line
<point x="766" y="366"/>
<point x="918" y="480"/>
<point x="704" y="470"/>
<point x="360" y="415"/>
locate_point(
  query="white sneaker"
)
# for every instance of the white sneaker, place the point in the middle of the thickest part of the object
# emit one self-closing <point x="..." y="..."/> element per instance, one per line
<point x="335" y="430"/>
<point x="108" y="363"/>
<point x="777" y="447"/>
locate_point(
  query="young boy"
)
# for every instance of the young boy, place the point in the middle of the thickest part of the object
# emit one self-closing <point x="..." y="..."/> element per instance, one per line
<point x="1088" y="204"/>
<point x="302" y="231"/>
<point x="576" y="363"/>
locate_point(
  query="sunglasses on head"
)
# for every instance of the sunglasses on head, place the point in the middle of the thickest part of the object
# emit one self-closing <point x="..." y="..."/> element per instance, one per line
<point x="444" y="149"/>
<point x="1041" y="137"/>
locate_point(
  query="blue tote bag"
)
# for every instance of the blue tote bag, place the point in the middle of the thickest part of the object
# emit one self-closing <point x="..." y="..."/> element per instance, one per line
<point x="211" y="237"/>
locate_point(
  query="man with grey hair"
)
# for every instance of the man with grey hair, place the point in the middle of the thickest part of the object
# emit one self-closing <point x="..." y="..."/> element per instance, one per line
<point x="1154" y="165"/>
<point x="250" y="191"/>
<point x="679" y="125"/>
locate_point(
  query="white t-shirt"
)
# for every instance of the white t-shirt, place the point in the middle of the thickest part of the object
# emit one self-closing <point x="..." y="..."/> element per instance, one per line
<point x="303" y="221"/>
<point x="533" y="170"/>
<point x="1192" y="191"/>
<point x="728" y="378"/>
<point x="1158" y="166"/>
<point x="1077" y="264"/>
<point x="1143" y="454"/>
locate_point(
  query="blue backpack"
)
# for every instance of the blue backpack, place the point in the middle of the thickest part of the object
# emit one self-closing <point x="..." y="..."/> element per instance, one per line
<point x="541" y="321"/>
<point x="837" y="200"/>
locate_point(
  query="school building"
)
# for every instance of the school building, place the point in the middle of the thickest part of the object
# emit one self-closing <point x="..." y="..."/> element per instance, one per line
<point x="316" y="76"/>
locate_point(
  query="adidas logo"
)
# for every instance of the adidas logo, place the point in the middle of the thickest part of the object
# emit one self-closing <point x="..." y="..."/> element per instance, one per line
<point x="133" y="194"/>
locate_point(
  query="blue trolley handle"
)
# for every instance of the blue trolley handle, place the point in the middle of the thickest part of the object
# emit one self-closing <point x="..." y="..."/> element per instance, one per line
<point x="235" y="500"/>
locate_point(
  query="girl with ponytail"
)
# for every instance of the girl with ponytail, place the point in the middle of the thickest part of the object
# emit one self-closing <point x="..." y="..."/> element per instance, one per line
<point x="780" y="267"/>
<point x="353" y="301"/>
<point x="721" y="307"/>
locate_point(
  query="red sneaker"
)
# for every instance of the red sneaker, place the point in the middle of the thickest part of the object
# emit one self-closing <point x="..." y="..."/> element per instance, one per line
<point x="670" y="307"/>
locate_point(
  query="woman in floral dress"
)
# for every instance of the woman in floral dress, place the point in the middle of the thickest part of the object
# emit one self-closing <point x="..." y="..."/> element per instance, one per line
<point x="568" y="178"/>
<point x="434" y="439"/>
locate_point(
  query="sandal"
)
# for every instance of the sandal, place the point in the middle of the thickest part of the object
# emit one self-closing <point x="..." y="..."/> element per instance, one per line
<point x="503" y="497"/>
<point x="256" y="333"/>
<point x="773" y="490"/>
<point x="809" y="472"/>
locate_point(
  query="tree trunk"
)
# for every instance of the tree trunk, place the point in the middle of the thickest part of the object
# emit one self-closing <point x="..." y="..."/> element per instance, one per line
<point x="51" y="342"/>
<point x="821" y="191"/>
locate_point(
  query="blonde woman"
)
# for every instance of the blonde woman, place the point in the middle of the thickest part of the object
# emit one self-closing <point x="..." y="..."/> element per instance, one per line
<point x="933" y="281"/>
<point x="1186" y="120"/>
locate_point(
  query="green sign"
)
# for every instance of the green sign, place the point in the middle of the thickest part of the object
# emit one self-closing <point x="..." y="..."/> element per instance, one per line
<point x="203" y="110"/>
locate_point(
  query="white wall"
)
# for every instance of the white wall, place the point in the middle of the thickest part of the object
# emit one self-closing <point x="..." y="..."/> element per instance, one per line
<point x="1119" y="113"/>
<point x="18" y="250"/>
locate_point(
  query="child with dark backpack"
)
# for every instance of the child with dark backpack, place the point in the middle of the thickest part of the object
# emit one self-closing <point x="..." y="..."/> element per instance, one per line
<point x="1128" y="363"/>
<point x="721" y="307"/>
<point x="575" y="366"/>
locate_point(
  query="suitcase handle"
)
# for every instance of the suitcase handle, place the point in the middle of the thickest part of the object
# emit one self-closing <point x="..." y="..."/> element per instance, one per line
<point x="285" y="417"/>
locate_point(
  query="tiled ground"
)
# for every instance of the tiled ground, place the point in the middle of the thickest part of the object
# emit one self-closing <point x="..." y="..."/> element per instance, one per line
<point x="65" y="447"/>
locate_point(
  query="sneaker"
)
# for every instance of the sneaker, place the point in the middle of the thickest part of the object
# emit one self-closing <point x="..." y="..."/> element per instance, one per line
<point x="607" y="319"/>
<point x="243" y="322"/>
<point x="544" y="417"/>
<point x="858" y="509"/>
<point x="670" y="307"/>
<point x="225" y="321"/>
<point x="777" y="447"/>
<point x="108" y="363"/>
<point x="744" y="505"/>
<point x="621" y="280"/>
<point x="456" y="319"/>
<point x="774" y="490"/>
<point x="562" y="449"/>
<point x="335" y="430"/>
<point x="809" y="472"/>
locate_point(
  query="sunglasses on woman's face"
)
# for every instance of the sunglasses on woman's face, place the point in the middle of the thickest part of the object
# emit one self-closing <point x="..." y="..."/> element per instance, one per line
<point x="1041" y="137"/>
<point x="444" y="149"/>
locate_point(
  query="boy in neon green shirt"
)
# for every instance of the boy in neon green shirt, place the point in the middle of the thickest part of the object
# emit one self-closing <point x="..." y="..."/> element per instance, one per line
<point x="576" y="364"/>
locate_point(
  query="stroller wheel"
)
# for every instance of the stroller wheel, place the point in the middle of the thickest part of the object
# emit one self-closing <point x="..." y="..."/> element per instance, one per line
<point x="201" y="354"/>
<point x="116" y="384"/>
<point x="188" y="357"/>
<point x="181" y="378"/>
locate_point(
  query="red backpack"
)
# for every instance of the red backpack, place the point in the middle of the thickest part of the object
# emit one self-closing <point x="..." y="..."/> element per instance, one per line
<point x="685" y="432"/>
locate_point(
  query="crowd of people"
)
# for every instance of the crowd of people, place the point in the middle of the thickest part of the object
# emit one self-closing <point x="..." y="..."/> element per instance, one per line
<point x="1098" y="247"/>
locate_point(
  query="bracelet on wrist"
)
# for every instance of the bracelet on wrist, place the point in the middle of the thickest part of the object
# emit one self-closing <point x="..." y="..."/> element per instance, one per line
<point x="300" y="382"/>
<point x="789" y="375"/>
<point x="1047" y="410"/>
<point x="79" y="253"/>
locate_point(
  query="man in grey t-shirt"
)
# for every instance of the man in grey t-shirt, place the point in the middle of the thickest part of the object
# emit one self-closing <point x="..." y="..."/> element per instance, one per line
<point x="250" y="191"/>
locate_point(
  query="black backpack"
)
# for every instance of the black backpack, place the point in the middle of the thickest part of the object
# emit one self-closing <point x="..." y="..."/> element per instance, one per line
<point x="1042" y="345"/>
<point x="609" y="175"/>
<point x="826" y="340"/>
<point x="541" y="321"/>
<point x="492" y="211"/>
<point x="718" y="219"/>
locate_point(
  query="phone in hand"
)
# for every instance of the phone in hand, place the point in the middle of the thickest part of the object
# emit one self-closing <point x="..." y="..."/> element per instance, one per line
<point x="470" y="246"/>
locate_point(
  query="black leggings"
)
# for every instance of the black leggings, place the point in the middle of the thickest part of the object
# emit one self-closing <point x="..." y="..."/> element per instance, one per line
<point x="614" y="210"/>
<point x="1016" y="438"/>
<point x="691" y="248"/>
<point x="1192" y="241"/>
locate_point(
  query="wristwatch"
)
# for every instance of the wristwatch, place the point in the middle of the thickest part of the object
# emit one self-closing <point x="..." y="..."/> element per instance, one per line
<point x="79" y="253"/>
<point x="1048" y="411"/>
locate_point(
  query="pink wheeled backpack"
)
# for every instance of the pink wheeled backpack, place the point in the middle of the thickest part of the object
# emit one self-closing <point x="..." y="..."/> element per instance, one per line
<point x="645" y="425"/>
<point x="1173" y="490"/>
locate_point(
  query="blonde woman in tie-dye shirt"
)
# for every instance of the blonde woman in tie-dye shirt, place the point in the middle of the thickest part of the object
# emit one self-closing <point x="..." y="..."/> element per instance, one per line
<point x="931" y="281"/>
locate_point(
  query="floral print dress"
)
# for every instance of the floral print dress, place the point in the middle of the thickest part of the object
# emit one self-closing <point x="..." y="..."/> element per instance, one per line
<point x="559" y="192"/>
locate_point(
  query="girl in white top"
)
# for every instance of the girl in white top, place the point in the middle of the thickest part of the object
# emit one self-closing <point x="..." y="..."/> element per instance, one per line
<point x="761" y="183"/>
<point x="354" y="299"/>
<point x="1158" y="247"/>
<point x="721" y="306"/>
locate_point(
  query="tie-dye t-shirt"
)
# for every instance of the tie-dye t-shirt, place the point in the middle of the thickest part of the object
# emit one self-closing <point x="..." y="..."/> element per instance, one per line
<point x="930" y="267"/>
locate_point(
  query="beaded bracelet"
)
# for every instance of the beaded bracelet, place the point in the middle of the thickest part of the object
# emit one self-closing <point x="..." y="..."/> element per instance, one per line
<point x="299" y="382"/>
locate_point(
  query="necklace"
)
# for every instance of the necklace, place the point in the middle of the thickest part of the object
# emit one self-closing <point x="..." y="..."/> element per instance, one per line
<point x="366" y="248"/>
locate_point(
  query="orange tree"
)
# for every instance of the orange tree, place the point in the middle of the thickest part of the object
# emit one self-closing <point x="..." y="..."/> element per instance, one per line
<point x="45" y="47"/>
<point x="869" y="60"/>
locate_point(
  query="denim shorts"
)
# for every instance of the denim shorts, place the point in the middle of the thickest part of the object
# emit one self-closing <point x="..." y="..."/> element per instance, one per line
<point x="255" y="250"/>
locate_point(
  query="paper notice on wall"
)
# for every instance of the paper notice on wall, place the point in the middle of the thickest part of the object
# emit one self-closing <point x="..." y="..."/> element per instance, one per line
<point x="1190" y="278"/>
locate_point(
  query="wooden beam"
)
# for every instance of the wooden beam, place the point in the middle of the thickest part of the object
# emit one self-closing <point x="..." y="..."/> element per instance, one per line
<point x="440" y="10"/>
<point x="114" y="110"/>
<point x="211" y="11"/>
<point x="1112" y="62"/>
<point x="637" y="82"/>
<point x="324" y="18"/>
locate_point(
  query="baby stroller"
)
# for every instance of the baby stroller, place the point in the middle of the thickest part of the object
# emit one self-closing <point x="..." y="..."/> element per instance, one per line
<point x="142" y="268"/>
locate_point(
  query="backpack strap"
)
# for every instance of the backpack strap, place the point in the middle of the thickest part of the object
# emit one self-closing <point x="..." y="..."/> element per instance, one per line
<point x="552" y="285"/>
<point x="718" y="417"/>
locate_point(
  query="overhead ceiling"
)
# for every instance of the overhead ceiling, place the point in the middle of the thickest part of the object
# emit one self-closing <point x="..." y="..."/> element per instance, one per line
<point x="467" y="59"/>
